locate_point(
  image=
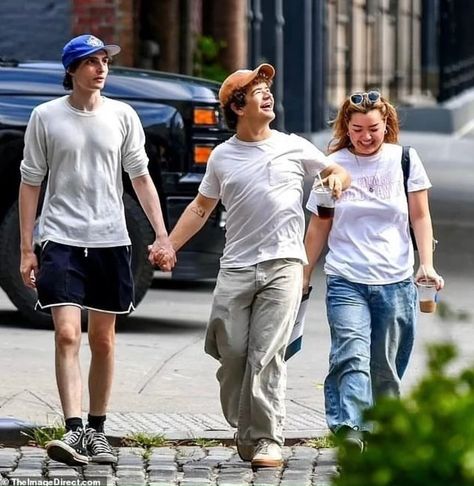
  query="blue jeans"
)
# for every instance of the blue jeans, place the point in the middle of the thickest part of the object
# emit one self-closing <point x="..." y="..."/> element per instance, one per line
<point x="372" y="334"/>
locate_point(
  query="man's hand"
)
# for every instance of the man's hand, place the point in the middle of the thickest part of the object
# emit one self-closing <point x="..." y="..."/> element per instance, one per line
<point x="334" y="182"/>
<point x="161" y="253"/>
<point x="336" y="178"/>
<point x="29" y="268"/>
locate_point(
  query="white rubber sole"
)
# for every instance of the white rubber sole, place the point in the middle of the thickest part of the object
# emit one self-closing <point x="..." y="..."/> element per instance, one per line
<point x="58" y="451"/>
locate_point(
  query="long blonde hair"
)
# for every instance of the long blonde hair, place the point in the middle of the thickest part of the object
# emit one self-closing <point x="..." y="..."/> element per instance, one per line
<point x="340" y="125"/>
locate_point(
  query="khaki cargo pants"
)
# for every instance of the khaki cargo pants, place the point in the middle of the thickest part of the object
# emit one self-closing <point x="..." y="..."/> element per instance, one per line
<point x="253" y="312"/>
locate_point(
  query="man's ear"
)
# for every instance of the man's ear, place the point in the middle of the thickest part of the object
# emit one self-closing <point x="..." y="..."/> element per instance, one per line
<point x="238" y="111"/>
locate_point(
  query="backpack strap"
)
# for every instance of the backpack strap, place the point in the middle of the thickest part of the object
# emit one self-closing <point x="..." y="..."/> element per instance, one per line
<point x="406" y="174"/>
<point x="406" y="167"/>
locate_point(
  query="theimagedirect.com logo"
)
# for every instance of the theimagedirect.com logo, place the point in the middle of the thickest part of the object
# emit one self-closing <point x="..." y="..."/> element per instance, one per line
<point x="51" y="482"/>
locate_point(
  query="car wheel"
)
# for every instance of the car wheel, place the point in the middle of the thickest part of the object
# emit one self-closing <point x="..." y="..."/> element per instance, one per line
<point x="11" y="282"/>
<point x="25" y="298"/>
<point x="142" y="235"/>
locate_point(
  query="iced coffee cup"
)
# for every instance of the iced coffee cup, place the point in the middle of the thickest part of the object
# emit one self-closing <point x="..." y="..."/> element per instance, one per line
<point x="427" y="295"/>
<point x="325" y="202"/>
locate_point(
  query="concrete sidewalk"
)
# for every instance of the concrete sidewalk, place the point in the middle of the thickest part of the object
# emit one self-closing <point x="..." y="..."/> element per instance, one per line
<point x="173" y="426"/>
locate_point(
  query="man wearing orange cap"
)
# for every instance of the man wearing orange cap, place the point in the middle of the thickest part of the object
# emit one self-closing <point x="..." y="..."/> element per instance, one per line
<point x="258" y="175"/>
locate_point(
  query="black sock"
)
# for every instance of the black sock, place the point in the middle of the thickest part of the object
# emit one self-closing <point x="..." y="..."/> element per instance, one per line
<point x="73" y="423"/>
<point x="96" y="422"/>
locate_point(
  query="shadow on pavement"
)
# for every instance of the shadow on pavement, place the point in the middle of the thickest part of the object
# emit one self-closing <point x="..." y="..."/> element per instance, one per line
<point x="169" y="284"/>
<point x="14" y="319"/>
<point x="157" y="325"/>
<point x="11" y="318"/>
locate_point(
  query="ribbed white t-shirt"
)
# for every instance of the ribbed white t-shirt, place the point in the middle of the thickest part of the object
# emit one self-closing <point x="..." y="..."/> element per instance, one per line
<point x="83" y="154"/>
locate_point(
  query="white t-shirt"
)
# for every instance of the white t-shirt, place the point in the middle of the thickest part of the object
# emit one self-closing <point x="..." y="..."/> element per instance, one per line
<point x="84" y="153"/>
<point x="369" y="241"/>
<point x="261" y="186"/>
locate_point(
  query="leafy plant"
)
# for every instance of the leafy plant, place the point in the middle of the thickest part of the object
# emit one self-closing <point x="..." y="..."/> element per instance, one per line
<point x="144" y="440"/>
<point x="446" y="312"/>
<point x="426" y="438"/>
<point x="40" y="436"/>
<point x="201" y="442"/>
<point x="206" y="63"/>
<point x="325" y="442"/>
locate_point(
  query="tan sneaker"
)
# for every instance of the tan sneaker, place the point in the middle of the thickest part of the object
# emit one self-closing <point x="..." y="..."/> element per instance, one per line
<point x="267" y="454"/>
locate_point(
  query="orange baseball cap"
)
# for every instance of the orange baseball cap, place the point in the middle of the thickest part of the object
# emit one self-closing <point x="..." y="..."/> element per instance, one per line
<point x="241" y="78"/>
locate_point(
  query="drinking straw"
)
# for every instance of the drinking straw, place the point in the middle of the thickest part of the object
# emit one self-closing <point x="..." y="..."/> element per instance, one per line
<point x="320" y="179"/>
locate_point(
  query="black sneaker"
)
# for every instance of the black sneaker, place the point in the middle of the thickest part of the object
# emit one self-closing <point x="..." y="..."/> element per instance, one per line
<point x="98" y="447"/>
<point x="70" y="449"/>
<point x="354" y="441"/>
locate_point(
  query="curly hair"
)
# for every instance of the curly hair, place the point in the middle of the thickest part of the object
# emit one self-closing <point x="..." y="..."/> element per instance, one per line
<point x="340" y="124"/>
<point x="238" y="98"/>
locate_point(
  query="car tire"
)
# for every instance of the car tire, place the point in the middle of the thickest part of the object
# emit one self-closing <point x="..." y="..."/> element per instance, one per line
<point x="142" y="235"/>
<point x="25" y="298"/>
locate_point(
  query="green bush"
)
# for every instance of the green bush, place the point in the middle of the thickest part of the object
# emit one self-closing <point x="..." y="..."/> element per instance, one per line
<point x="206" y="63"/>
<point x="425" y="439"/>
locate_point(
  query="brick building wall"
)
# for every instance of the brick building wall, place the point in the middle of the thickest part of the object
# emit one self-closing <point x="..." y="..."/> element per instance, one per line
<point x="37" y="29"/>
<point x="114" y="21"/>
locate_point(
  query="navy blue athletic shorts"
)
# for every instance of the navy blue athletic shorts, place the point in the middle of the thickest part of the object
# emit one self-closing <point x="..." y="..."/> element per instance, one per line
<point x="92" y="278"/>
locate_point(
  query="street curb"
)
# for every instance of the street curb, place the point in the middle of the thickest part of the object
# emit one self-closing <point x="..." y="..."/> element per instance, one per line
<point x="225" y="437"/>
<point x="14" y="431"/>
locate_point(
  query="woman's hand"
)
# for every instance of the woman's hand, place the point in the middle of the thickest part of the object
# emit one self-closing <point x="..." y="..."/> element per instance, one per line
<point x="427" y="272"/>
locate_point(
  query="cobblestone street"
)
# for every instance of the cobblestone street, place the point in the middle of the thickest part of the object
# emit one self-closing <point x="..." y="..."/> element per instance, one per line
<point x="169" y="466"/>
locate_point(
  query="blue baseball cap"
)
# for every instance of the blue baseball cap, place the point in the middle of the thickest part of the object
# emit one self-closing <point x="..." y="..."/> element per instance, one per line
<point x="84" y="46"/>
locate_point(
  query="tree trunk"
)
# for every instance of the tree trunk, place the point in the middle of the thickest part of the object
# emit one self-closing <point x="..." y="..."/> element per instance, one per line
<point x="161" y="24"/>
<point x="228" y="23"/>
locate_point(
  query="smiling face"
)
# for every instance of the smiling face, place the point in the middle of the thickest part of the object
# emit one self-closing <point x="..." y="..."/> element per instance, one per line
<point x="92" y="72"/>
<point x="366" y="131"/>
<point x="259" y="103"/>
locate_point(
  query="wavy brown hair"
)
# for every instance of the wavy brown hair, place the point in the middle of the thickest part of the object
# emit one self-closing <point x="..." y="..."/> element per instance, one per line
<point x="340" y="125"/>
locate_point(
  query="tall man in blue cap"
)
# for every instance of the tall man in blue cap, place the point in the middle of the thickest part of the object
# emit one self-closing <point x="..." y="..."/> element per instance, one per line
<point x="83" y="140"/>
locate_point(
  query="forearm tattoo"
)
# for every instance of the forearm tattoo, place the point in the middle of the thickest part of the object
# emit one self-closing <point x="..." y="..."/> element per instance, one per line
<point x="199" y="210"/>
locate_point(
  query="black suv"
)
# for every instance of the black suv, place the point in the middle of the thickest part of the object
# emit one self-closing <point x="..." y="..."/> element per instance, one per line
<point x="182" y="123"/>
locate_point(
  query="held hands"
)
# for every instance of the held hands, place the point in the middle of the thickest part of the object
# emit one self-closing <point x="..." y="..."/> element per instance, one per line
<point x="426" y="272"/>
<point x="306" y="279"/>
<point x="306" y="283"/>
<point x="29" y="268"/>
<point x="334" y="182"/>
<point x="161" y="253"/>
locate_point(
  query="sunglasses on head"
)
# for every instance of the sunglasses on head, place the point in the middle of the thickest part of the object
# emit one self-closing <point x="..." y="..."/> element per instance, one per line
<point x="358" y="98"/>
